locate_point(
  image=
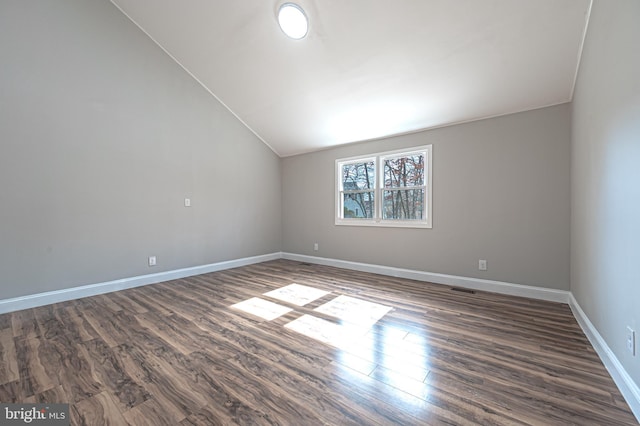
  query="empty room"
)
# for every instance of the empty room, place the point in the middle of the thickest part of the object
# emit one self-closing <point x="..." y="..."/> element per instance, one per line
<point x="320" y="212"/>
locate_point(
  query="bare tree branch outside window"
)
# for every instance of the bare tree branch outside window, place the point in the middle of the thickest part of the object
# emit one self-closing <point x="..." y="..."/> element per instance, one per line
<point x="358" y="183"/>
<point x="403" y="195"/>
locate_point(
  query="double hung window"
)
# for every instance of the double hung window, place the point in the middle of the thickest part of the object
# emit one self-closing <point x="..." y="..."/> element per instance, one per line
<point x="385" y="189"/>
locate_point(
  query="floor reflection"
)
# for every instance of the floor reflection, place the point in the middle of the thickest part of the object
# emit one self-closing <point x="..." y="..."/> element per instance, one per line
<point x="389" y="355"/>
<point x="409" y="396"/>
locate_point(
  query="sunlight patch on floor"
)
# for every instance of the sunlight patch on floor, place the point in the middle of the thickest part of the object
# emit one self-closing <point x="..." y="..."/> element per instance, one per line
<point x="354" y="317"/>
<point x="262" y="308"/>
<point x="354" y="310"/>
<point x="297" y="294"/>
<point x="338" y="335"/>
<point x="357" y="318"/>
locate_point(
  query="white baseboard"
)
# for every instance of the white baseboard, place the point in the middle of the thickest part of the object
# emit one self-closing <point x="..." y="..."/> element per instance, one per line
<point x="47" y="298"/>
<point x="41" y="299"/>
<point x="623" y="380"/>
<point x="541" y="293"/>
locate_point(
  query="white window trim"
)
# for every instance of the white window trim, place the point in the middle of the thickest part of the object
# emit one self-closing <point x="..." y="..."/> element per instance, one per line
<point x="377" y="220"/>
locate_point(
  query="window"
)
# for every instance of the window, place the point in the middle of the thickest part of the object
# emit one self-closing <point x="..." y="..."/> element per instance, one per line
<point x="385" y="189"/>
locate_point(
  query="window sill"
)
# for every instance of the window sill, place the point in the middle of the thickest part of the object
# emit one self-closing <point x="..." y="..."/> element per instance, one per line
<point x="383" y="224"/>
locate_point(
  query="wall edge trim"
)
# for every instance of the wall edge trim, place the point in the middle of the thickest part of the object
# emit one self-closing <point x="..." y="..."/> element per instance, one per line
<point x="629" y="389"/>
<point x="63" y="295"/>
<point x="541" y="293"/>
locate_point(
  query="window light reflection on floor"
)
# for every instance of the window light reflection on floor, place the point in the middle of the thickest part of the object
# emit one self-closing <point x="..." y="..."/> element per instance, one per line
<point x="297" y="294"/>
<point x="401" y="363"/>
<point x="354" y="317"/>
<point x="332" y="333"/>
<point x="353" y="310"/>
<point x="369" y="351"/>
<point x="387" y="355"/>
<point x="262" y="308"/>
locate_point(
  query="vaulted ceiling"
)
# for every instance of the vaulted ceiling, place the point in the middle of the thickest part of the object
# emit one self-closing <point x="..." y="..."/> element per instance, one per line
<point x="371" y="68"/>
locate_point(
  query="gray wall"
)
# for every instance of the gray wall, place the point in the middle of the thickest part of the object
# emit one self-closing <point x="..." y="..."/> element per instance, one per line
<point x="102" y="136"/>
<point x="605" y="249"/>
<point x="501" y="192"/>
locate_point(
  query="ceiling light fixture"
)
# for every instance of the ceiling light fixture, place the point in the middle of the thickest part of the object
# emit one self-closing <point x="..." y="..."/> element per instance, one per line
<point x="293" y="21"/>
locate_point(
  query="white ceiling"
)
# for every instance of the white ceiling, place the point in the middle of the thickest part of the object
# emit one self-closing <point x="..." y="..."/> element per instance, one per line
<point x="371" y="68"/>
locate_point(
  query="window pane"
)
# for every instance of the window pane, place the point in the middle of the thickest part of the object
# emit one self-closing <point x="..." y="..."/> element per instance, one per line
<point x="404" y="171"/>
<point x="403" y="204"/>
<point x="358" y="176"/>
<point x="359" y="205"/>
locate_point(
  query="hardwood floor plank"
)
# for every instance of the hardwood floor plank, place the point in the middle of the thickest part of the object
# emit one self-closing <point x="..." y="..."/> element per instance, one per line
<point x="297" y="402"/>
<point x="73" y="321"/>
<point x="163" y="379"/>
<point x="5" y="322"/>
<point x="106" y="302"/>
<point x="377" y="403"/>
<point x="144" y="298"/>
<point x="8" y="361"/>
<point x="35" y="374"/>
<point x="208" y="416"/>
<point x="110" y="326"/>
<point x="274" y="345"/>
<point x="63" y="358"/>
<point x="48" y="322"/>
<point x="141" y="371"/>
<point x="127" y="303"/>
<point x="492" y="401"/>
<point x="391" y="355"/>
<point x="109" y="372"/>
<point x="165" y="331"/>
<point x="98" y="410"/>
<point x="23" y="324"/>
<point x="55" y="395"/>
<point x="176" y="353"/>
<point x="149" y="413"/>
<point x="12" y="392"/>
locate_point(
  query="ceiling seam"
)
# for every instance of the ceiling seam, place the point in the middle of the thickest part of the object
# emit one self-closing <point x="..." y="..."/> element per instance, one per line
<point x="580" y="50"/>
<point x="195" y="78"/>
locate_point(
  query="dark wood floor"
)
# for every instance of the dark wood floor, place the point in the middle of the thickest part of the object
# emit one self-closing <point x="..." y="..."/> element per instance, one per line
<point x="176" y="353"/>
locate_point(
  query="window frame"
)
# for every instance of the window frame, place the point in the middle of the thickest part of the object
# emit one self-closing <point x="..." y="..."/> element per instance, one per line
<point x="379" y="189"/>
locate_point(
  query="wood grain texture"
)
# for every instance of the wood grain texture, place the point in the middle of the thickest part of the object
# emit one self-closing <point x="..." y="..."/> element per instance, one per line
<point x="175" y="353"/>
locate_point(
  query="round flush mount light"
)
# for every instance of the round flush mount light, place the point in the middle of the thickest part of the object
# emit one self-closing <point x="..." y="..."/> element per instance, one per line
<point x="293" y="21"/>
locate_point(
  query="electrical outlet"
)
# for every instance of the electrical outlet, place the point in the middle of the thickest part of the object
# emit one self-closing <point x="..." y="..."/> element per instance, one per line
<point x="315" y="246"/>
<point x="187" y="202"/>
<point x="631" y="341"/>
<point x="482" y="265"/>
<point x="152" y="261"/>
